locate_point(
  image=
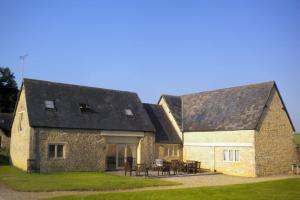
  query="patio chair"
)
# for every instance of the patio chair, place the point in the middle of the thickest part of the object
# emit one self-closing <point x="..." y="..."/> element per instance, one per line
<point x="141" y="168"/>
<point x="175" y="166"/>
<point x="157" y="165"/>
<point x="166" y="168"/>
<point x="128" y="168"/>
<point x="191" y="166"/>
<point x="296" y="168"/>
<point x="198" y="167"/>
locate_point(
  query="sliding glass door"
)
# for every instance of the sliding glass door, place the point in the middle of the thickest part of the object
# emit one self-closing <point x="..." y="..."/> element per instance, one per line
<point x="118" y="154"/>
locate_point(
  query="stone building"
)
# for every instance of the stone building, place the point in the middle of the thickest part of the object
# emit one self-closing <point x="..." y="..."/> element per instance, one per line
<point x="168" y="144"/>
<point x="5" y="125"/>
<point x="244" y="131"/>
<point x="62" y="127"/>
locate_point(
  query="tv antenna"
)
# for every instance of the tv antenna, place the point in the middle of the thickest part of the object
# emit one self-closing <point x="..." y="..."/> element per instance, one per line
<point x="22" y="58"/>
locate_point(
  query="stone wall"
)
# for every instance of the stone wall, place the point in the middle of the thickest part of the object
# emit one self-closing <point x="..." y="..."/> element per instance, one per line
<point x="160" y="152"/>
<point x="84" y="150"/>
<point x="298" y="154"/>
<point x="274" y="145"/>
<point x="146" y="149"/>
<point x="208" y="148"/>
<point x="5" y="142"/>
<point x="21" y="140"/>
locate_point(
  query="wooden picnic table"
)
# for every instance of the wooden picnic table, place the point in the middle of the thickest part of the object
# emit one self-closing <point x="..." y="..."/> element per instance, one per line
<point x="192" y="166"/>
<point x="176" y="166"/>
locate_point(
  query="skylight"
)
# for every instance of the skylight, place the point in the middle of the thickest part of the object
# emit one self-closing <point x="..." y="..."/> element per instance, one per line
<point x="128" y="112"/>
<point x="84" y="107"/>
<point x="50" y="104"/>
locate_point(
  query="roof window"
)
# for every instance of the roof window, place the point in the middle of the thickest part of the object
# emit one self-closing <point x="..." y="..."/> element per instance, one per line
<point x="50" y="105"/>
<point x="128" y="112"/>
<point x="84" y="107"/>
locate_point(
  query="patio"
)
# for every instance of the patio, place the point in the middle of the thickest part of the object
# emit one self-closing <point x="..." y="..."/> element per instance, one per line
<point x="161" y="169"/>
<point x="153" y="174"/>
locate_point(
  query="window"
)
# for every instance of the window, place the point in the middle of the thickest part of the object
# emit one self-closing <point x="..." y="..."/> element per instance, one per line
<point x="166" y="151"/>
<point x="50" y="105"/>
<point x="20" y="121"/>
<point x="175" y="150"/>
<point x="51" y="151"/>
<point x="55" y="151"/>
<point x="85" y="107"/>
<point x="128" y="112"/>
<point x="171" y="150"/>
<point x="231" y="155"/>
<point x="237" y="155"/>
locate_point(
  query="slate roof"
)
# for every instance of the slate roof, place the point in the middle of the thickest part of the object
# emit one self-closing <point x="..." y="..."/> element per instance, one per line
<point x="165" y="132"/>
<point x="236" y="108"/>
<point x="174" y="104"/>
<point x="5" y="122"/>
<point x="107" y="107"/>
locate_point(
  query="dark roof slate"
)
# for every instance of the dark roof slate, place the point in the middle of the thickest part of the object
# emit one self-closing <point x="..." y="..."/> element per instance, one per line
<point x="107" y="107"/>
<point x="165" y="132"/>
<point x="5" y="122"/>
<point x="237" y="108"/>
<point x="174" y="104"/>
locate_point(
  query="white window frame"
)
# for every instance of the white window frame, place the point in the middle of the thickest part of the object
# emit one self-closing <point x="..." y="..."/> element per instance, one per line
<point x="48" y="102"/>
<point x="226" y="155"/>
<point x="55" y="151"/>
<point x="128" y="112"/>
<point x="171" y="151"/>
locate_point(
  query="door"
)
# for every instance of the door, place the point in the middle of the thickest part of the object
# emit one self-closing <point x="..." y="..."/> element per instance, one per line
<point x="120" y="158"/>
<point x="117" y="154"/>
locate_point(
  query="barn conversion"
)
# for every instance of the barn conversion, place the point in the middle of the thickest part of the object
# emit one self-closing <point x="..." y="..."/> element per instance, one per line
<point x="244" y="131"/>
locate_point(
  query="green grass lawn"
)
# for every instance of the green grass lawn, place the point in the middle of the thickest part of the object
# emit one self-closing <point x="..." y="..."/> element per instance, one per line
<point x="297" y="138"/>
<point x="22" y="181"/>
<point x="288" y="189"/>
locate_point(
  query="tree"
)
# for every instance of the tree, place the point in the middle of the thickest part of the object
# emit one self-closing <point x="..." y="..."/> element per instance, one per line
<point x="8" y="90"/>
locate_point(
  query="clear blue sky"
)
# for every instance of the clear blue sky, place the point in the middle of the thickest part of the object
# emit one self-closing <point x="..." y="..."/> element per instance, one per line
<point x="154" y="47"/>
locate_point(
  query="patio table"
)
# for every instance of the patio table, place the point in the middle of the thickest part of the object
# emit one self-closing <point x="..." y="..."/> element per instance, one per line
<point x="192" y="166"/>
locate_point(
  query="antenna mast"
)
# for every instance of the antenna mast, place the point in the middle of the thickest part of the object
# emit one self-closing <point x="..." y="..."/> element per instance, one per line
<point x="22" y="58"/>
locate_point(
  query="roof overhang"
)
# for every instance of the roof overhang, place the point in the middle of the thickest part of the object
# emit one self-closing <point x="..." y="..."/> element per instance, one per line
<point x="122" y="134"/>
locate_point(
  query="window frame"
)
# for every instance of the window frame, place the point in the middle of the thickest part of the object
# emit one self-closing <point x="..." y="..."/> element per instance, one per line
<point x="234" y="157"/>
<point x="171" y="150"/>
<point x="55" y="151"/>
<point x="48" y="108"/>
<point x="128" y="116"/>
<point x="85" y="108"/>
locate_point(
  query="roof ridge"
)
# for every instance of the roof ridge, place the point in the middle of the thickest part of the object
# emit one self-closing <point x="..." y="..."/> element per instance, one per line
<point x="227" y="88"/>
<point x="76" y="85"/>
<point x="152" y="104"/>
<point x="169" y="95"/>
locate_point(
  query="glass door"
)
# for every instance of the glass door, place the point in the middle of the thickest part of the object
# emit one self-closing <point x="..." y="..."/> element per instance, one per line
<point x="111" y="157"/>
<point x="120" y="156"/>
